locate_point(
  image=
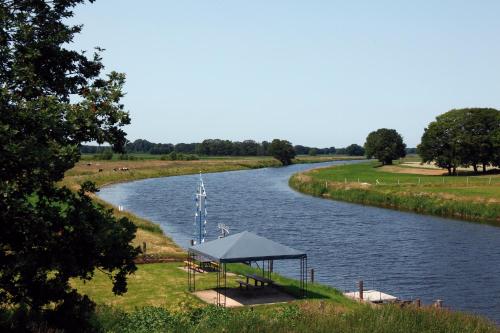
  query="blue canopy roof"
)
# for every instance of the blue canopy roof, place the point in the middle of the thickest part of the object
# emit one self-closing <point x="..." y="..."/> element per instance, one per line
<point x="245" y="246"/>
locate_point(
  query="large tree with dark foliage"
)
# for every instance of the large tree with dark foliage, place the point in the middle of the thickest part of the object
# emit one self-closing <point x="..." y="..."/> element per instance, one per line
<point x="282" y="150"/>
<point x="463" y="137"/>
<point x="51" y="100"/>
<point x="385" y="145"/>
<point x="354" y="150"/>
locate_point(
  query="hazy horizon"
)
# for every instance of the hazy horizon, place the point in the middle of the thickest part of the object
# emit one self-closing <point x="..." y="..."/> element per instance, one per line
<point x="317" y="74"/>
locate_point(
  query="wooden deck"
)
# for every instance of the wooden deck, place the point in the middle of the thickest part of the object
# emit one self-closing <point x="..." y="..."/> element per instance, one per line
<point x="373" y="296"/>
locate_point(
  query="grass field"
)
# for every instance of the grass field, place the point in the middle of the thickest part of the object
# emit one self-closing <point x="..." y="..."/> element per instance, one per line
<point x="422" y="190"/>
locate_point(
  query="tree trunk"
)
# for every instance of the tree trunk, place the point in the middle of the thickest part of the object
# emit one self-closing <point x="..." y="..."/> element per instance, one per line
<point x="454" y="170"/>
<point x="475" y="167"/>
<point x="449" y="171"/>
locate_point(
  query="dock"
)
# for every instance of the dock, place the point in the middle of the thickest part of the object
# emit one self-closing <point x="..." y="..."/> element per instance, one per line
<point x="373" y="296"/>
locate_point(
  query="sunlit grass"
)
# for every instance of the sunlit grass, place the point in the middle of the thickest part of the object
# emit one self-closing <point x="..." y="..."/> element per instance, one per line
<point x="470" y="197"/>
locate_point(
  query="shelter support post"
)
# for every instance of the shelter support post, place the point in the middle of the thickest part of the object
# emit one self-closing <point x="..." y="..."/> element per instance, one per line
<point x="303" y="277"/>
<point x="191" y="272"/>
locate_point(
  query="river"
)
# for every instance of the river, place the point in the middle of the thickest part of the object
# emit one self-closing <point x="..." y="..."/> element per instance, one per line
<point x="403" y="254"/>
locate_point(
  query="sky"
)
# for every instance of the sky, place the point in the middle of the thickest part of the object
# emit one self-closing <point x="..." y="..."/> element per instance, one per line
<point x="317" y="73"/>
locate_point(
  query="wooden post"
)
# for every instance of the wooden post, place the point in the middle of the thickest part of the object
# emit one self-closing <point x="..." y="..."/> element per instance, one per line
<point x="417" y="302"/>
<point x="360" y="284"/>
<point x="144" y="247"/>
<point x="192" y="242"/>
<point x="312" y="275"/>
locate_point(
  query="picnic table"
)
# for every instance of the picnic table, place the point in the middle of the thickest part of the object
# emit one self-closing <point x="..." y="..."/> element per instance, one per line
<point x="259" y="281"/>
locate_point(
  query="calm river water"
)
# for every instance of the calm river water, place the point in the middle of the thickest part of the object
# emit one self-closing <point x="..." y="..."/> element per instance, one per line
<point x="403" y="254"/>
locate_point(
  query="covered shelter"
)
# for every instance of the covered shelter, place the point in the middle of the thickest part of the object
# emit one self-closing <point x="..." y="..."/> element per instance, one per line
<point x="244" y="247"/>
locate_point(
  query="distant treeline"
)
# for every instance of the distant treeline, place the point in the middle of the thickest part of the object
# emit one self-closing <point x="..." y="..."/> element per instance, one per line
<point x="217" y="147"/>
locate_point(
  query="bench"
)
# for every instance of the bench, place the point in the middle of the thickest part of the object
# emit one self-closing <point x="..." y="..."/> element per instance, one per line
<point x="246" y="284"/>
<point x="193" y="265"/>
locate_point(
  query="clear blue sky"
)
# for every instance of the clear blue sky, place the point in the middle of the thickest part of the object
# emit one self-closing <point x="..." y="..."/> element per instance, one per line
<point x="318" y="73"/>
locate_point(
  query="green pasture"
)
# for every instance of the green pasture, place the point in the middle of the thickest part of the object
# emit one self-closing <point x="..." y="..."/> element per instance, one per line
<point x="468" y="197"/>
<point x="487" y="185"/>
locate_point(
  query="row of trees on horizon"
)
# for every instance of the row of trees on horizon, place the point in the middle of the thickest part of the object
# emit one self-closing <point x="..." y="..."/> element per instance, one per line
<point x="218" y="147"/>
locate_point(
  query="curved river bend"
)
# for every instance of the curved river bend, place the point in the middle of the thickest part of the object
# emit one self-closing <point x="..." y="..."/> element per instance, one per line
<point x="403" y="254"/>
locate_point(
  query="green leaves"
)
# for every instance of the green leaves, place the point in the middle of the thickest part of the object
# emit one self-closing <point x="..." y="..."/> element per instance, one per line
<point x="462" y="137"/>
<point x="385" y="145"/>
<point x="282" y="150"/>
<point x="52" y="99"/>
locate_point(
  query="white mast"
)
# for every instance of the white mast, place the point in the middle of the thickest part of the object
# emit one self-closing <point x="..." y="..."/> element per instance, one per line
<point x="200" y="216"/>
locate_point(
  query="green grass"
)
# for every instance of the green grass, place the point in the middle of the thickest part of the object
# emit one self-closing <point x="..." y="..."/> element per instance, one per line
<point x="165" y="284"/>
<point x="304" y="317"/>
<point x="161" y="284"/>
<point x="157" y="301"/>
<point x="474" y="198"/>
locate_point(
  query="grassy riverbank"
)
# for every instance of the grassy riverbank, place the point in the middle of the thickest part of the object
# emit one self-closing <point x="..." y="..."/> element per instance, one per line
<point x="157" y="299"/>
<point x="417" y="189"/>
<point x="307" y="316"/>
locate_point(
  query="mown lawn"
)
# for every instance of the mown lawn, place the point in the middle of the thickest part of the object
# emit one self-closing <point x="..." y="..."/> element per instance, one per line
<point x="161" y="284"/>
<point x="165" y="285"/>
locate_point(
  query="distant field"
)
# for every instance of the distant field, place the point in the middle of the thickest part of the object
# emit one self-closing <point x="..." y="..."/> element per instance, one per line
<point x="470" y="197"/>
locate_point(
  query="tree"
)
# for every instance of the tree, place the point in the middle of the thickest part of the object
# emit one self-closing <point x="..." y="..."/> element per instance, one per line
<point x="313" y="151"/>
<point x="354" y="150"/>
<point x="282" y="150"/>
<point x="385" y="145"/>
<point x="51" y="100"/>
<point x="462" y="137"/>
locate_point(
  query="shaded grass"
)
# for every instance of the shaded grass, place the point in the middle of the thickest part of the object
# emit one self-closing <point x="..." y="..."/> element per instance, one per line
<point x="464" y="197"/>
<point x="292" y="286"/>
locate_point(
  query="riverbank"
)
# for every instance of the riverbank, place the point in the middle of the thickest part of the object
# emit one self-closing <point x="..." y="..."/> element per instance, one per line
<point x="157" y="300"/>
<point x="158" y="245"/>
<point x="468" y="197"/>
